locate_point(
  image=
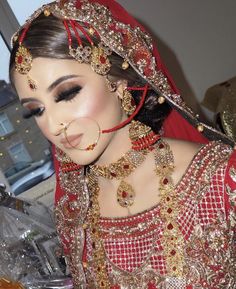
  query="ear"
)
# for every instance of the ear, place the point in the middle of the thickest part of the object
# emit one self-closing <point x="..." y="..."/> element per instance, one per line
<point x="121" y="86"/>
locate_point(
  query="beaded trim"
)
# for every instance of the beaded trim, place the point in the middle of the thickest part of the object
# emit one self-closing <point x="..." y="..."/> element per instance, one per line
<point x="172" y="238"/>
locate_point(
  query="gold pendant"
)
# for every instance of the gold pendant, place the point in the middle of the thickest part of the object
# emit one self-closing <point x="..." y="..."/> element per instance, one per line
<point x="125" y="194"/>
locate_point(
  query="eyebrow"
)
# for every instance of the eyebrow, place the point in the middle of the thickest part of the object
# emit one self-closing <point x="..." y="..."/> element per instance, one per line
<point x="51" y="87"/>
<point x="59" y="80"/>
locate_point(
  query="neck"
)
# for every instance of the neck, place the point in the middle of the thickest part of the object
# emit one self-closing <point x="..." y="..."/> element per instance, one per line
<point x="118" y="146"/>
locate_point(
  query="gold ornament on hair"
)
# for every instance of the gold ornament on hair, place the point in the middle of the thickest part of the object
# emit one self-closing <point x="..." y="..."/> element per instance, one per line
<point x="23" y="60"/>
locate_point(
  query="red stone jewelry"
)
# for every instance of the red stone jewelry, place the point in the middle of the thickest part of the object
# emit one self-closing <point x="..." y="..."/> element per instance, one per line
<point x="23" y="60"/>
<point x="120" y="170"/>
<point x="142" y="136"/>
<point x="32" y="83"/>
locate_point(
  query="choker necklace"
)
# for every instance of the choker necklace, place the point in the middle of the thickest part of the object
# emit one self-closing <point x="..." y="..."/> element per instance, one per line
<point x="120" y="170"/>
<point x="142" y="142"/>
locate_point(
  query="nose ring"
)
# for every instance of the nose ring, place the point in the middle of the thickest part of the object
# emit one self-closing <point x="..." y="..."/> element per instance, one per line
<point x="64" y="127"/>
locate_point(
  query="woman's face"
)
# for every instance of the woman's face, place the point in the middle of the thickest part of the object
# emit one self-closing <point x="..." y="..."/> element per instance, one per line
<point x="70" y="105"/>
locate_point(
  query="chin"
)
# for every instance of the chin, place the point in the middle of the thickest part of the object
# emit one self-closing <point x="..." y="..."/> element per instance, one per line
<point x="84" y="158"/>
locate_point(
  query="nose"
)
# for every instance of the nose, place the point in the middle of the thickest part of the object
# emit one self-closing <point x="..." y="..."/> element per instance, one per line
<point x="56" y="125"/>
<point x="60" y="130"/>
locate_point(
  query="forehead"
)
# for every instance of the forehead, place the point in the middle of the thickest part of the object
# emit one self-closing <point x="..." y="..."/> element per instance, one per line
<point x="45" y="71"/>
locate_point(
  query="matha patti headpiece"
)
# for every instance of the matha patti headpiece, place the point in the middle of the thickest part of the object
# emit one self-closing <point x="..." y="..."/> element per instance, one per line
<point x="119" y="32"/>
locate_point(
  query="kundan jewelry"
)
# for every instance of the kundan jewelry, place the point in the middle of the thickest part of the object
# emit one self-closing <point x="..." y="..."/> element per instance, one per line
<point x="141" y="136"/>
<point x="142" y="139"/>
<point x="92" y="20"/>
<point x="23" y="61"/>
<point x="172" y="238"/>
<point x="120" y="170"/>
<point x="169" y="205"/>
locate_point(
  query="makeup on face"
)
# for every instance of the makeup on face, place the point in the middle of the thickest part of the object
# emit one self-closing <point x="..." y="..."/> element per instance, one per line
<point x="64" y="90"/>
<point x="70" y="93"/>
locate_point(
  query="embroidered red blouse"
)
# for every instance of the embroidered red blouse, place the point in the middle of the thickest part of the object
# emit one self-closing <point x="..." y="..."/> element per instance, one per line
<point x="135" y="255"/>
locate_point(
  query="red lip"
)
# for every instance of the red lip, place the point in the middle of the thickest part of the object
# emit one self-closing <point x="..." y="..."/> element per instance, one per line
<point x="71" y="141"/>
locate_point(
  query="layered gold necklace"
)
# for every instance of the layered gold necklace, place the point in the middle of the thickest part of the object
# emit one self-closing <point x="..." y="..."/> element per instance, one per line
<point x="143" y="141"/>
<point x="172" y="238"/>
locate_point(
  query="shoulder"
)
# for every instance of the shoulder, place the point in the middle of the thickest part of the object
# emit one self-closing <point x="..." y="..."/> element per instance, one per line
<point x="207" y="157"/>
<point x="183" y="151"/>
<point x="216" y="149"/>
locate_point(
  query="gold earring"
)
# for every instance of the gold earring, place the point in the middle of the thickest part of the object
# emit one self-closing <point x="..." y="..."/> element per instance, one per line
<point x="127" y="102"/>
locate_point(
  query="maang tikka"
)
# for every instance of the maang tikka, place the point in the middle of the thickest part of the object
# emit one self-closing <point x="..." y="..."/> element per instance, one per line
<point x="23" y="61"/>
<point x="97" y="56"/>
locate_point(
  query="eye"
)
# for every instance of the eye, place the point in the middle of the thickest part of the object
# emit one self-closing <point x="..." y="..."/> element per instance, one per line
<point x="68" y="94"/>
<point x="33" y="112"/>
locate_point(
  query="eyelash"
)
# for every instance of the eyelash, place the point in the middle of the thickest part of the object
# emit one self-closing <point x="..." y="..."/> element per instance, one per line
<point x="67" y="95"/>
<point x="33" y="112"/>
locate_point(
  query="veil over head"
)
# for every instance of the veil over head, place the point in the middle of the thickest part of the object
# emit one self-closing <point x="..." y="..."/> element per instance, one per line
<point x="122" y="33"/>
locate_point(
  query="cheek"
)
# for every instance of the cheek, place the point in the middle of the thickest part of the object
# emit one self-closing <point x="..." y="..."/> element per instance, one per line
<point x="95" y="103"/>
<point x="43" y="126"/>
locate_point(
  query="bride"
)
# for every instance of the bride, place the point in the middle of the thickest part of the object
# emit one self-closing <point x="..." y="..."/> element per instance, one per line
<point x="145" y="191"/>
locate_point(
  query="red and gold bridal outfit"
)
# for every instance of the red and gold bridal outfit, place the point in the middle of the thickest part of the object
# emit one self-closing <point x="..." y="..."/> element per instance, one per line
<point x="135" y="254"/>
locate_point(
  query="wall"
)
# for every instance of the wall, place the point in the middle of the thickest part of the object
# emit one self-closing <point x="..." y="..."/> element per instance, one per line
<point x="196" y="40"/>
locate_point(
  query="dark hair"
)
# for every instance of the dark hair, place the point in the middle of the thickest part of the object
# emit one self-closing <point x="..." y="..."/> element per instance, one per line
<point x="47" y="37"/>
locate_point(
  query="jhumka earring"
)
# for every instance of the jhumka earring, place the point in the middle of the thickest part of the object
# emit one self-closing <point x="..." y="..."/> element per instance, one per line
<point x="127" y="102"/>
